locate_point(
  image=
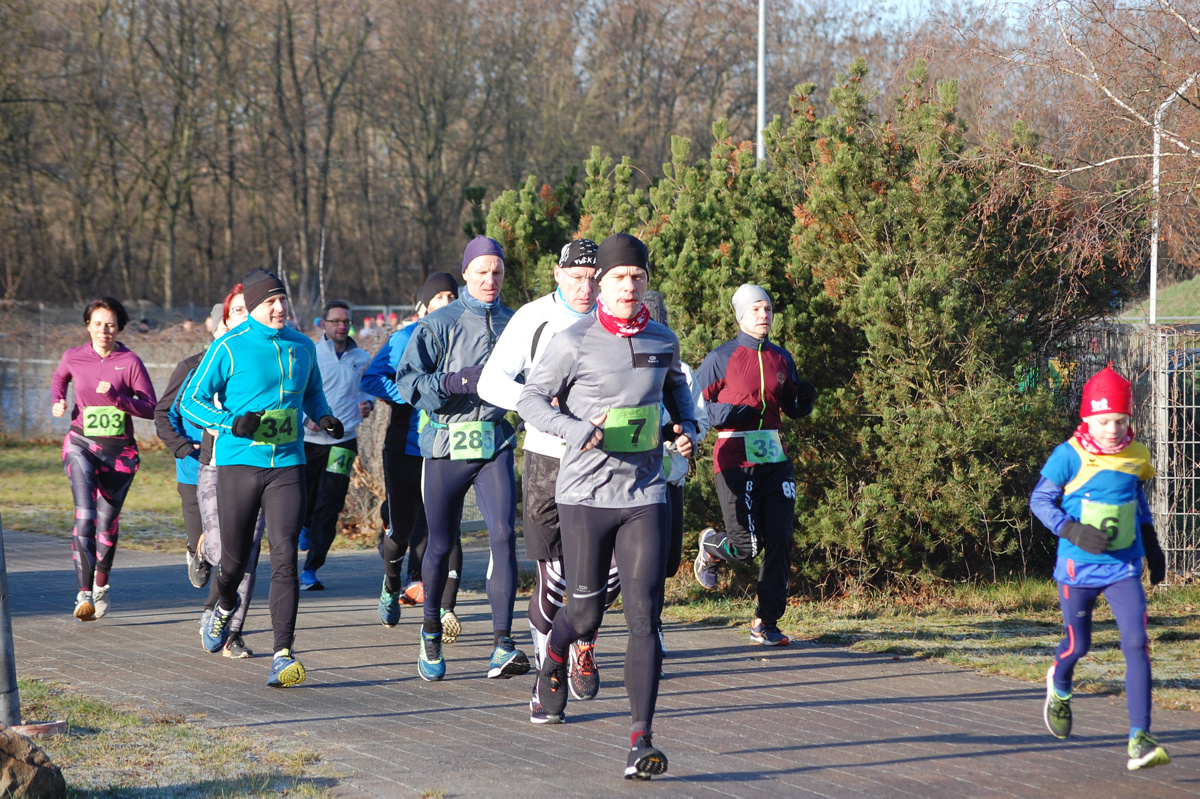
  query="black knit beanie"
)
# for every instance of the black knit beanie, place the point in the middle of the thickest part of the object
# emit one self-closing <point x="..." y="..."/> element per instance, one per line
<point x="434" y="285"/>
<point x="621" y="249"/>
<point x="259" y="285"/>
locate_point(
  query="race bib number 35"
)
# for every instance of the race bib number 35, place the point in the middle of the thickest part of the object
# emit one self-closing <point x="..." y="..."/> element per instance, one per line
<point x="763" y="446"/>
<point x="1118" y="522"/>
<point x="633" y="429"/>
<point x="471" y="441"/>
<point x="277" y="427"/>
<point x="340" y="460"/>
<point x="104" y="421"/>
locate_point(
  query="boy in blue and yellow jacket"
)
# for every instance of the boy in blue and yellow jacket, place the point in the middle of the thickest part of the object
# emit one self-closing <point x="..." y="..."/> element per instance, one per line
<point x="1091" y="496"/>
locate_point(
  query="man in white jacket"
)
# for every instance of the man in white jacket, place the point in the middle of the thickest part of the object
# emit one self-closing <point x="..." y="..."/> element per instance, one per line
<point x="516" y="353"/>
<point x="329" y="461"/>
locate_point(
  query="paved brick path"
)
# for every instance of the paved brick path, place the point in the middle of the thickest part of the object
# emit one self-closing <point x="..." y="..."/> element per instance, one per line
<point x="735" y="719"/>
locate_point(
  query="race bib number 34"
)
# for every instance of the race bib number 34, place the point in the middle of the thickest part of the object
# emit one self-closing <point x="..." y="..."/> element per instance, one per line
<point x="104" y="421"/>
<point x="633" y="429"/>
<point x="277" y="427"/>
<point x="1118" y="522"/>
<point x="763" y="446"/>
<point x="471" y="441"/>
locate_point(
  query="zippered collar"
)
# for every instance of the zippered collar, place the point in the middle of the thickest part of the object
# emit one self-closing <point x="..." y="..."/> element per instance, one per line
<point x="263" y="330"/>
<point x="478" y="306"/>
<point x="748" y="341"/>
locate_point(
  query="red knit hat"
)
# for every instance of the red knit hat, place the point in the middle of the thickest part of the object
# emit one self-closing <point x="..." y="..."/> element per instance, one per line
<point x="1107" y="392"/>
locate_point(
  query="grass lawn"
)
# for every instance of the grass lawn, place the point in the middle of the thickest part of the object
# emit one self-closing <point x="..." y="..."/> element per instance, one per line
<point x="1011" y="628"/>
<point x="123" y="752"/>
<point x="1179" y="300"/>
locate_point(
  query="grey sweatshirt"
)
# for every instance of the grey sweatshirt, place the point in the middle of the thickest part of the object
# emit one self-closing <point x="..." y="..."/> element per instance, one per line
<point x="592" y="371"/>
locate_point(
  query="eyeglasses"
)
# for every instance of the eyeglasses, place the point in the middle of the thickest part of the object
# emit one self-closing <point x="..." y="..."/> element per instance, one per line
<point x="337" y="322"/>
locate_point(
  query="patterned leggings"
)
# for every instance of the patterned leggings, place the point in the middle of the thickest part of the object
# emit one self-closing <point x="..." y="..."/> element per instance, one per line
<point x="100" y="478"/>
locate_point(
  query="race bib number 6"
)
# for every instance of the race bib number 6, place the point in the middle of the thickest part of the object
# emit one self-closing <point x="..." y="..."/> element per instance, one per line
<point x="763" y="446"/>
<point x="277" y="427"/>
<point x="633" y="429"/>
<point x="103" y="420"/>
<point x="1118" y="522"/>
<point x="471" y="441"/>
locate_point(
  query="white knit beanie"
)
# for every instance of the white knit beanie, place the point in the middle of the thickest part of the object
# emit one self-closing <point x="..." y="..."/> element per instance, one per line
<point x="746" y="295"/>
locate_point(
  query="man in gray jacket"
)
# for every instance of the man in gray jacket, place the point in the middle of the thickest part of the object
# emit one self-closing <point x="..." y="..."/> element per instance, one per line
<point x="611" y="374"/>
<point x="467" y="442"/>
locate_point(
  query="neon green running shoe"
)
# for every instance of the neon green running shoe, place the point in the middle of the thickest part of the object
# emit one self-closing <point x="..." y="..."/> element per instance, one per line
<point x="1057" y="712"/>
<point x="1144" y="752"/>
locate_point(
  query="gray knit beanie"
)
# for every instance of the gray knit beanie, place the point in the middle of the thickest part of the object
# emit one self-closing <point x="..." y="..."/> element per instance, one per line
<point x="746" y="295"/>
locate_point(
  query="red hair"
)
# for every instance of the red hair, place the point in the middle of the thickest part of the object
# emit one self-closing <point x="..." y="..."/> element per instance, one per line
<point x="233" y="292"/>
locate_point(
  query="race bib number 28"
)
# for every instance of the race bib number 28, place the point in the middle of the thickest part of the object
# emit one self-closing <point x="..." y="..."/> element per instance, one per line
<point x="471" y="441"/>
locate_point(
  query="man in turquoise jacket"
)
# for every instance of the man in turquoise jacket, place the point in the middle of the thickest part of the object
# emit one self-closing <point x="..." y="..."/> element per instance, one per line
<point x="250" y="390"/>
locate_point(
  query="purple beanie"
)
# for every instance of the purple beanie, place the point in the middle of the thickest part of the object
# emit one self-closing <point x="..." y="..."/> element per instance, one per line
<point x="481" y="245"/>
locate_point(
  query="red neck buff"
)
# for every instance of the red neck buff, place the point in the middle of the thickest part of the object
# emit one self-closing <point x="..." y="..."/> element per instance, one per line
<point x="1091" y="445"/>
<point x="622" y="327"/>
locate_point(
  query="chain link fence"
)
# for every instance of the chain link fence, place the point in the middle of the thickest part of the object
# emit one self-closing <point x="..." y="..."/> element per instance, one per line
<point x="1163" y="364"/>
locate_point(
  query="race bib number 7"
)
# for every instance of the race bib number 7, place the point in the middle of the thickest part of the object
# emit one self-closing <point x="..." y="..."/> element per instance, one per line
<point x="1118" y="522"/>
<point x="104" y="421"/>
<point x="633" y="429"/>
<point x="472" y="441"/>
<point x="763" y="446"/>
<point x="277" y="427"/>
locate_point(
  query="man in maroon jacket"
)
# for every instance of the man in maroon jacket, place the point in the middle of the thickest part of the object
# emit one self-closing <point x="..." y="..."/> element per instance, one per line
<point x="748" y="383"/>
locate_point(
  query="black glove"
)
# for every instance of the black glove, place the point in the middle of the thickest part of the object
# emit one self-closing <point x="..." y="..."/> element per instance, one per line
<point x="332" y="426"/>
<point x="462" y="382"/>
<point x="185" y="449"/>
<point x="1155" y="558"/>
<point x="1087" y="537"/>
<point x="744" y="415"/>
<point x="246" y="425"/>
<point x="668" y="432"/>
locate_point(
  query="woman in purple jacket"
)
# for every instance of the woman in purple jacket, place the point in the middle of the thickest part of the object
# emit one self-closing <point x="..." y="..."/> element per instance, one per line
<point x="100" y="454"/>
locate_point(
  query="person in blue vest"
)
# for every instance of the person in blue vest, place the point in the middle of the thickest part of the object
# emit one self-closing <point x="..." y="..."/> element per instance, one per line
<point x="265" y="375"/>
<point x="405" y="527"/>
<point x="467" y="442"/>
<point x="183" y="440"/>
<point x="1090" y="494"/>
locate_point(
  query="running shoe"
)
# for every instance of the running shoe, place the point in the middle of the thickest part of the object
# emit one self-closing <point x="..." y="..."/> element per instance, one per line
<point x="767" y="634"/>
<point x="430" y="663"/>
<point x="552" y="687"/>
<point x="198" y="569"/>
<point x="215" y="631"/>
<point x="389" y="606"/>
<point x="1144" y="752"/>
<point x="309" y="581"/>
<point x="584" y="677"/>
<point x="100" y="600"/>
<point x="204" y="617"/>
<point x="302" y="542"/>
<point x="644" y="760"/>
<point x="451" y="627"/>
<point x="507" y="660"/>
<point x="236" y="648"/>
<point x="414" y="594"/>
<point x="286" y="671"/>
<point x="1057" y="711"/>
<point x="705" y="565"/>
<point x="84" y="609"/>
<point x="537" y="713"/>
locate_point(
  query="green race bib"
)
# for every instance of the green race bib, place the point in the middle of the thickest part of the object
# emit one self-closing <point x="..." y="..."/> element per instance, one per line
<point x="104" y="421"/>
<point x="633" y="429"/>
<point x="340" y="460"/>
<point x="472" y="441"/>
<point x="763" y="446"/>
<point x="1118" y="522"/>
<point x="277" y="427"/>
